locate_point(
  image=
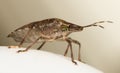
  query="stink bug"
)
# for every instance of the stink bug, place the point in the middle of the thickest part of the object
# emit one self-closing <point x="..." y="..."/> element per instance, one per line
<point x="52" y="29"/>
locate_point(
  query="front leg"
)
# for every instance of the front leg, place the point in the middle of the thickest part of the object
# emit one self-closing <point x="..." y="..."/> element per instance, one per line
<point x="78" y="43"/>
<point x="72" y="57"/>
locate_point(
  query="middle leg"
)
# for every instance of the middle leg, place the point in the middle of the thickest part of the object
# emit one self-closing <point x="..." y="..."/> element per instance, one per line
<point x="41" y="45"/>
<point x="66" y="50"/>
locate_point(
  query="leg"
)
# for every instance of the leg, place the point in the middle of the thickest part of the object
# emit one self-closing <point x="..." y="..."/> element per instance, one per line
<point x="41" y="45"/>
<point x="29" y="46"/>
<point x="72" y="57"/>
<point x="66" y="50"/>
<point x="12" y="47"/>
<point x="78" y="43"/>
<point x="24" y="37"/>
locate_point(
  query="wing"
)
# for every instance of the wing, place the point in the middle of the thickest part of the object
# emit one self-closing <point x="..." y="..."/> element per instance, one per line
<point x="48" y="28"/>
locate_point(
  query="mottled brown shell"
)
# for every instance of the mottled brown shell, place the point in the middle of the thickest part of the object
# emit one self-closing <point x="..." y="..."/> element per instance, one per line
<point x="47" y="29"/>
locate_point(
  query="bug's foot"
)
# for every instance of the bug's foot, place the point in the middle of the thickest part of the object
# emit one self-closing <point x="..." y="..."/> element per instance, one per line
<point x="81" y="60"/>
<point x="13" y="47"/>
<point x="21" y="51"/>
<point x="65" y="54"/>
<point x="74" y="62"/>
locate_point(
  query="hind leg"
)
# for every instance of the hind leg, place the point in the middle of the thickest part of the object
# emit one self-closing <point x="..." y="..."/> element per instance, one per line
<point x="22" y="40"/>
<point x="29" y="46"/>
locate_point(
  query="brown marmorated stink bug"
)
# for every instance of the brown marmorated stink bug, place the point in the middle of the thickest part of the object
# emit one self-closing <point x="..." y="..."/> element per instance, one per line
<point x="52" y="29"/>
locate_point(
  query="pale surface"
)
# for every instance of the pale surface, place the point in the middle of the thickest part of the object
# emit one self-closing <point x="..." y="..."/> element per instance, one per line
<point x="100" y="47"/>
<point x="35" y="61"/>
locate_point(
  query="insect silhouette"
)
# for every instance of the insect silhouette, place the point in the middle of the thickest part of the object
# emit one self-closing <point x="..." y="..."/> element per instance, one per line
<point x="52" y="29"/>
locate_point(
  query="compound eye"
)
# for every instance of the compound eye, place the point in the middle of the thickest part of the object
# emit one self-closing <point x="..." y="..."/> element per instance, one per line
<point x="64" y="27"/>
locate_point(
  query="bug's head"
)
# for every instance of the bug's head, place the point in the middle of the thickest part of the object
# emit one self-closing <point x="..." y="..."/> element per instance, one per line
<point x="75" y="28"/>
<point x="71" y="28"/>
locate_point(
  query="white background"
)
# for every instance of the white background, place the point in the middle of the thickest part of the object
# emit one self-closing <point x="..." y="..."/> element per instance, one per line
<point x="100" y="47"/>
<point x="34" y="61"/>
